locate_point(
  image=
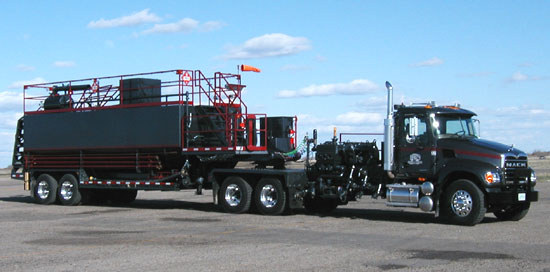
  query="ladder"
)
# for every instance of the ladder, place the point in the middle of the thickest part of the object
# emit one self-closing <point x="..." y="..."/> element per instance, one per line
<point x="18" y="161"/>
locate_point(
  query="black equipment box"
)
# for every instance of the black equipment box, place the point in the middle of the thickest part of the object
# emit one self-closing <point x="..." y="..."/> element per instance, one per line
<point x="278" y="133"/>
<point x="140" y="90"/>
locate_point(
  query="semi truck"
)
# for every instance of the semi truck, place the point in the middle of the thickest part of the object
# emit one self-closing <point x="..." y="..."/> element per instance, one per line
<point x="106" y="138"/>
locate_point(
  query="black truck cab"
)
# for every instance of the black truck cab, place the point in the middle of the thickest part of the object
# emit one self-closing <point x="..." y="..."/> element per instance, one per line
<point x="441" y="144"/>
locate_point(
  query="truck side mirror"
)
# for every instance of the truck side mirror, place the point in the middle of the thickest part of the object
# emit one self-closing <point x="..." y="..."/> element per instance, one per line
<point x="315" y="137"/>
<point x="412" y="130"/>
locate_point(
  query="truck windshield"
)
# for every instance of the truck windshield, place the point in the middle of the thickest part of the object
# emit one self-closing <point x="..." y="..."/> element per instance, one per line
<point x="454" y="125"/>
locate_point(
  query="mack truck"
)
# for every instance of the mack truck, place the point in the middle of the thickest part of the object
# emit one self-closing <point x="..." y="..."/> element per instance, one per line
<point x="103" y="139"/>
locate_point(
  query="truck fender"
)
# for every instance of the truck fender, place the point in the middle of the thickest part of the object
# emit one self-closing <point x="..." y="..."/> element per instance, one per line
<point x="465" y="169"/>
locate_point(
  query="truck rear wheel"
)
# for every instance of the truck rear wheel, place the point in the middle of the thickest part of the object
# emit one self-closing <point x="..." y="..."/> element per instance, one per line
<point x="235" y="195"/>
<point x="513" y="213"/>
<point x="270" y="196"/>
<point x="463" y="203"/>
<point x="44" y="189"/>
<point x="67" y="192"/>
<point x="320" y="205"/>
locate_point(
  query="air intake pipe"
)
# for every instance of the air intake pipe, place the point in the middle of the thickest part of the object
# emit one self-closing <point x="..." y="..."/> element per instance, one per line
<point x="388" y="132"/>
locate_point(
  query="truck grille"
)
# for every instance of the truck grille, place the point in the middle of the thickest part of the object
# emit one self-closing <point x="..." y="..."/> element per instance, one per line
<point x="514" y="170"/>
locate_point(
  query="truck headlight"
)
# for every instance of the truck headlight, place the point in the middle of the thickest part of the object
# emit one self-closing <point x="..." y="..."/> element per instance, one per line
<point x="492" y="178"/>
<point x="533" y="176"/>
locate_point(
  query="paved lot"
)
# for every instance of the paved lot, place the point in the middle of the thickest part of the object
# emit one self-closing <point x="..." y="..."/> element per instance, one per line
<point x="178" y="231"/>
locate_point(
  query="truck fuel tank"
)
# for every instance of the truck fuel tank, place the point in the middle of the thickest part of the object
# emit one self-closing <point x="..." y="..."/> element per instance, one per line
<point x="407" y="195"/>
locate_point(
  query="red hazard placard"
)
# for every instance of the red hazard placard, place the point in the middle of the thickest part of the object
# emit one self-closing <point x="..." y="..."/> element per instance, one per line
<point x="186" y="78"/>
<point x="95" y="86"/>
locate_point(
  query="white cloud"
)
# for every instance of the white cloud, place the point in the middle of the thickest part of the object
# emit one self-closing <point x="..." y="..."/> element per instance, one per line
<point x="136" y="18"/>
<point x="25" y="68"/>
<point x="211" y="26"/>
<point x="435" y="61"/>
<point x="525" y="126"/>
<point x="64" y="63"/>
<point x="8" y="120"/>
<point x="519" y="76"/>
<point x="11" y="100"/>
<point x="358" y="86"/>
<point x="20" y="84"/>
<point x="183" y="25"/>
<point x="268" y="45"/>
<point x="355" y="118"/>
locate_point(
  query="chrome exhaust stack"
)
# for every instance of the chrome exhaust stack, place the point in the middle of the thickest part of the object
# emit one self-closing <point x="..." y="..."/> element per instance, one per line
<point x="388" y="132"/>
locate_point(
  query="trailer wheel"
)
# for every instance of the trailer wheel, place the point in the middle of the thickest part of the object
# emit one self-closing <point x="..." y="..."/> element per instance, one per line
<point x="67" y="192"/>
<point x="44" y="189"/>
<point x="270" y="196"/>
<point x="320" y="205"/>
<point x="513" y="213"/>
<point x="235" y="195"/>
<point x="463" y="203"/>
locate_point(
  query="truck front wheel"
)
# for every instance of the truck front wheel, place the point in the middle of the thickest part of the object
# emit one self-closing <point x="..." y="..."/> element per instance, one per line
<point x="513" y="213"/>
<point x="270" y="196"/>
<point x="67" y="192"/>
<point x="44" y="189"/>
<point x="463" y="203"/>
<point x="235" y="195"/>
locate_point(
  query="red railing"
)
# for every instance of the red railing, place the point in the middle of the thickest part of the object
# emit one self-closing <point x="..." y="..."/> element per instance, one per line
<point x="246" y="132"/>
<point x="172" y="87"/>
<point x="222" y="90"/>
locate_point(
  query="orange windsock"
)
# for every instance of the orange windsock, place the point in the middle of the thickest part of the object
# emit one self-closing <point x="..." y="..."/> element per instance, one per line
<point x="248" y="68"/>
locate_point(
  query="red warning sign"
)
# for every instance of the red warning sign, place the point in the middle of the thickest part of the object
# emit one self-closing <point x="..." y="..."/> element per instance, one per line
<point x="95" y="86"/>
<point x="186" y="78"/>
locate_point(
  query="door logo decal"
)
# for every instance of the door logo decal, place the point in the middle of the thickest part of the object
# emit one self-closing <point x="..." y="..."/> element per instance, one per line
<point x="415" y="159"/>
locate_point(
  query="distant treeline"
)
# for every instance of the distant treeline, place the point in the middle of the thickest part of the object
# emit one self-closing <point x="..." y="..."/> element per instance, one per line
<point x="539" y="153"/>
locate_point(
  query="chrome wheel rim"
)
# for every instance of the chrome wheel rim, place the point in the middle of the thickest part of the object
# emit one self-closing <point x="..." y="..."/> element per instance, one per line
<point x="268" y="196"/>
<point x="66" y="190"/>
<point x="43" y="189"/>
<point x="233" y="195"/>
<point x="462" y="203"/>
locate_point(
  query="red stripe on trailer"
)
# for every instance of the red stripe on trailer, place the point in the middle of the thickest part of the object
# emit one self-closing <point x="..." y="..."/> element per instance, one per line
<point x="199" y="149"/>
<point x="111" y="182"/>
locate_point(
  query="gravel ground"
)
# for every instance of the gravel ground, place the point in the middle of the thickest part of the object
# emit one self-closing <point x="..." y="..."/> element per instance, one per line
<point x="179" y="231"/>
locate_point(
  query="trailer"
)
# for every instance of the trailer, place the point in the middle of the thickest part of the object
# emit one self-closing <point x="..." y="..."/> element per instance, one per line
<point x="105" y="138"/>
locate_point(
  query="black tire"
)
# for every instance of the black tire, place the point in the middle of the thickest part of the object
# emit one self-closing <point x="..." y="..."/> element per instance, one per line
<point x="67" y="191"/>
<point x="123" y="196"/>
<point x="513" y="213"/>
<point x="463" y="203"/>
<point x="270" y="196"/>
<point x="320" y="205"/>
<point x="235" y="195"/>
<point x="44" y="189"/>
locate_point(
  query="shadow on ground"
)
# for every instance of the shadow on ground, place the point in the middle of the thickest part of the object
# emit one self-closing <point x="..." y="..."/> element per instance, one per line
<point x="341" y="212"/>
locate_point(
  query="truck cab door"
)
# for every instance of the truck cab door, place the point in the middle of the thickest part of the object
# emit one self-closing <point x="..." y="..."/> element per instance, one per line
<point x="414" y="143"/>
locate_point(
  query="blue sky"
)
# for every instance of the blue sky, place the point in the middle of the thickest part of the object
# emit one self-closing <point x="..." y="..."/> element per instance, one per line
<point x="324" y="61"/>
